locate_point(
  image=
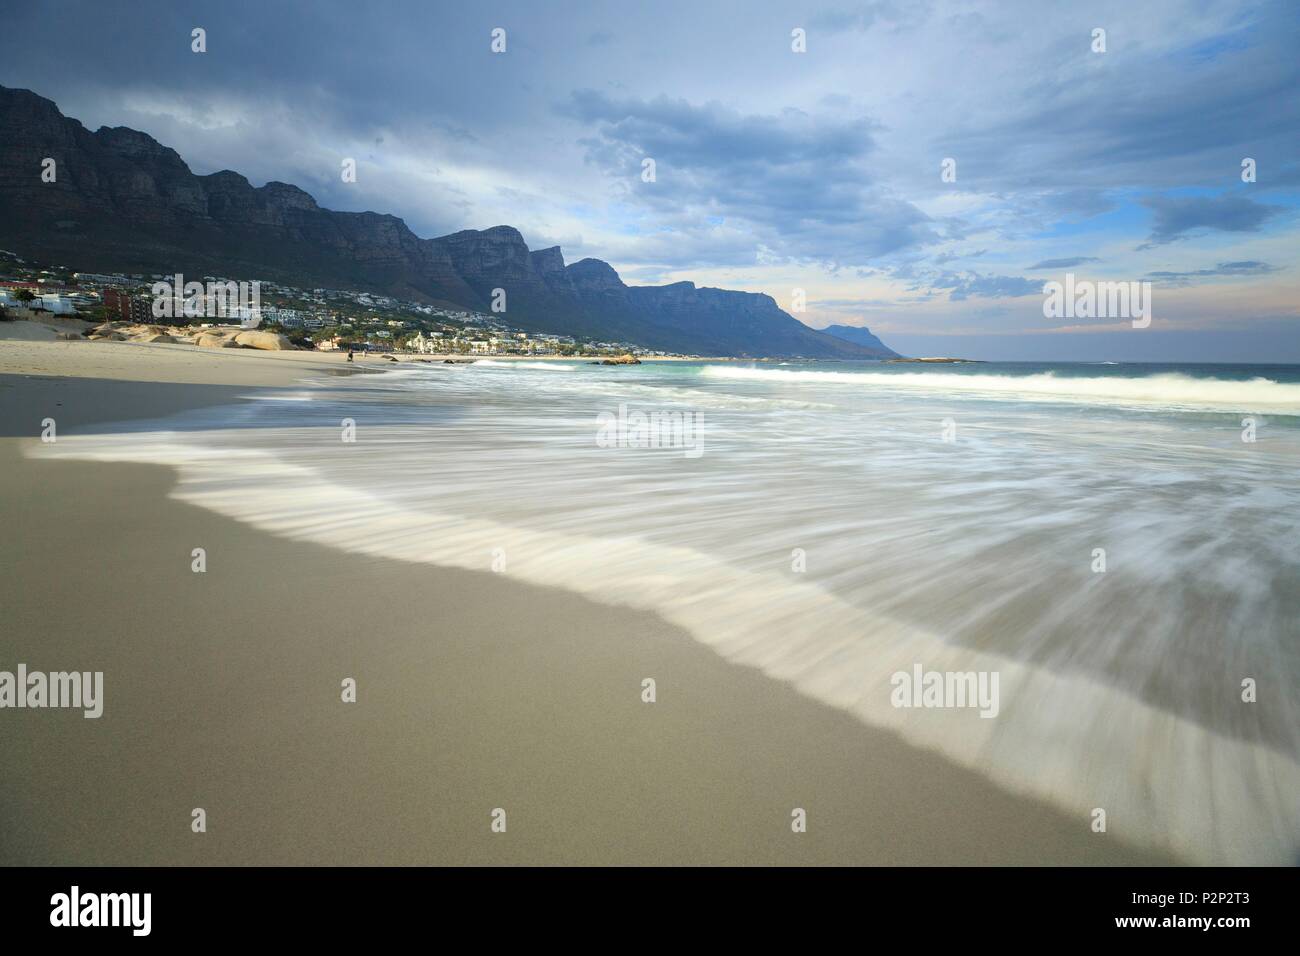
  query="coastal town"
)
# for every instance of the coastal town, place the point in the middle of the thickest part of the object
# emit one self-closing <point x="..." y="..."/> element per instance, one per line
<point x="320" y="319"/>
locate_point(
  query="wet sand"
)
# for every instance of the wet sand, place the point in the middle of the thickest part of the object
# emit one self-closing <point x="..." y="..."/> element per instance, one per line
<point x="222" y="691"/>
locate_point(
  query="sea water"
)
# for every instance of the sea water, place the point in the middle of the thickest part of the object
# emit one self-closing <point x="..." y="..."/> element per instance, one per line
<point x="1118" y="544"/>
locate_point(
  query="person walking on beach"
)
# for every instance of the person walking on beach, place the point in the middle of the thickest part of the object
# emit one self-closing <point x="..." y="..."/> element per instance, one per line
<point x="349" y="353"/>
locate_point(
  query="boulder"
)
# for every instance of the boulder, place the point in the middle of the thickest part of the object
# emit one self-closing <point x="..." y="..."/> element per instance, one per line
<point x="131" y="332"/>
<point x="624" y="359"/>
<point x="269" y="341"/>
<point x="215" y="340"/>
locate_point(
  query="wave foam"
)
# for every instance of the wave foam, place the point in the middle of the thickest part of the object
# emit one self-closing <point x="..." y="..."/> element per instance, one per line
<point x="1063" y="737"/>
<point x="548" y="366"/>
<point x="1169" y="390"/>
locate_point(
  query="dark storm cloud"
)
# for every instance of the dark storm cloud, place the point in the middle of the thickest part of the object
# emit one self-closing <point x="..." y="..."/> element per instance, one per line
<point x="712" y="135"/>
<point x="1177" y="216"/>
<point x="798" y="181"/>
<point x="1131" y="116"/>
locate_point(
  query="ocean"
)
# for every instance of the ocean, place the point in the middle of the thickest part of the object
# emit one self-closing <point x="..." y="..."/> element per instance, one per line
<point x="1118" y="543"/>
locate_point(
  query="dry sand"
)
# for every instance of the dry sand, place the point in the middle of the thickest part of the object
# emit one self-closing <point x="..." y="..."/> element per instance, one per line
<point x="222" y="691"/>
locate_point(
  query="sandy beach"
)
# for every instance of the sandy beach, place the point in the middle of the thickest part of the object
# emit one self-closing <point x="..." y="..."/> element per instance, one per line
<point x="475" y="692"/>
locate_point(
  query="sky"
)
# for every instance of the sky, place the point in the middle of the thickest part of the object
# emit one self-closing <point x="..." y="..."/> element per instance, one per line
<point x="774" y="170"/>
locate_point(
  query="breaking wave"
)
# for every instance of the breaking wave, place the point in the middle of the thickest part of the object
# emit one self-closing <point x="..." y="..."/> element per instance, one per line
<point x="548" y="366"/>
<point x="1168" y="390"/>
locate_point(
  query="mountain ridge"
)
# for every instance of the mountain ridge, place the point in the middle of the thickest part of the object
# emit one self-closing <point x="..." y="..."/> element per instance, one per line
<point x="858" y="334"/>
<point x="123" y="202"/>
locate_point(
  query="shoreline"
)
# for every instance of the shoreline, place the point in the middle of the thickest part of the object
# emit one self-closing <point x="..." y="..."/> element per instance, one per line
<point x="474" y="691"/>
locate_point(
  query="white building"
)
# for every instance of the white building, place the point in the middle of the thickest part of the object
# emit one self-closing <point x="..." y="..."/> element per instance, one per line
<point x="289" y="318"/>
<point x="55" y="303"/>
<point x="425" y="344"/>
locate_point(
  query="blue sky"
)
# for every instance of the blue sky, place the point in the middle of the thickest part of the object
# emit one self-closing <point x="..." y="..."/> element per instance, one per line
<point x="775" y="170"/>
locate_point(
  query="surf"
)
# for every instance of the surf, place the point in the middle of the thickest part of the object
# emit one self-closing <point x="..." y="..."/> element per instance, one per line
<point x="1170" y="390"/>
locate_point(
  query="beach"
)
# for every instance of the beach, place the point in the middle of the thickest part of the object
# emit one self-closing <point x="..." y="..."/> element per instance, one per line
<point x="475" y="690"/>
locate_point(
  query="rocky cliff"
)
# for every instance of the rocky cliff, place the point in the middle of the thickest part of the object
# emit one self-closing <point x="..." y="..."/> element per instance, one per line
<point x="121" y="201"/>
<point x="860" y="335"/>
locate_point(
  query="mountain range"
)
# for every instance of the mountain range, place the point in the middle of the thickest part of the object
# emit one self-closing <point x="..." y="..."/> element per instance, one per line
<point x="122" y="202"/>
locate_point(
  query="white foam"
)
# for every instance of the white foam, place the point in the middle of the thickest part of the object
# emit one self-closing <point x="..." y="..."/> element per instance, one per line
<point x="547" y="366"/>
<point x="1169" y="390"/>
<point x="1165" y="781"/>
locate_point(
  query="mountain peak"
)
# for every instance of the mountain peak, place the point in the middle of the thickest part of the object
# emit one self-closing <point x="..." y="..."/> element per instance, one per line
<point x="289" y="195"/>
<point x="595" y="275"/>
<point x="549" y="261"/>
<point x="28" y="99"/>
<point x="509" y="233"/>
<point x="227" y="176"/>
